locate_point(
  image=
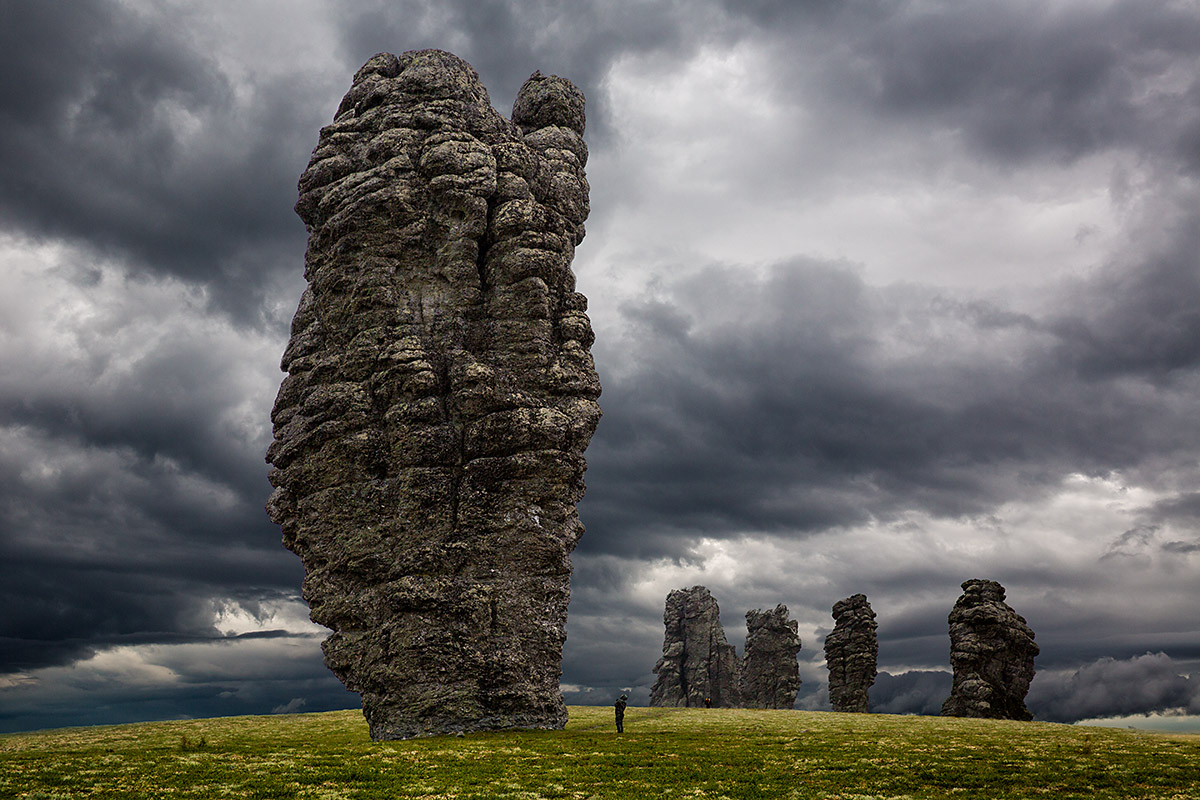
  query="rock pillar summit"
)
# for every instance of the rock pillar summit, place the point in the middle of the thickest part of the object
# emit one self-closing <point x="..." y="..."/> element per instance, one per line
<point x="429" y="435"/>
<point x="851" y="653"/>
<point x="992" y="652"/>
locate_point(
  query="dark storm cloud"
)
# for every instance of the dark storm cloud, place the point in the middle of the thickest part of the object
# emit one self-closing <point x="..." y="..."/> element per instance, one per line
<point x="1140" y="318"/>
<point x="68" y="601"/>
<point x="102" y="544"/>
<point x="916" y="692"/>
<point x="507" y="41"/>
<point x="1014" y="81"/>
<point x="1184" y="508"/>
<point x="131" y="495"/>
<point x="797" y="403"/>
<point x="1022" y="81"/>
<point x="119" y="133"/>
<point x="212" y="679"/>
<point x="808" y="400"/>
<point x="701" y="421"/>
<point x="610" y="653"/>
<point x="177" y="401"/>
<point x="1145" y="684"/>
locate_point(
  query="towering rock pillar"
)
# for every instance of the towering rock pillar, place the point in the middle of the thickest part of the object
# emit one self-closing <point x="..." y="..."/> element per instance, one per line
<point x="697" y="662"/>
<point x="429" y="435"/>
<point x="992" y="652"/>
<point x="851" y="650"/>
<point x="770" y="673"/>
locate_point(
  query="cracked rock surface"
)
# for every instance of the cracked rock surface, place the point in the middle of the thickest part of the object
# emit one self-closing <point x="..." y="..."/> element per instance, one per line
<point x="440" y="393"/>
<point x="697" y="662"/>
<point x="851" y="651"/>
<point x="770" y="672"/>
<point x="992" y="652"/>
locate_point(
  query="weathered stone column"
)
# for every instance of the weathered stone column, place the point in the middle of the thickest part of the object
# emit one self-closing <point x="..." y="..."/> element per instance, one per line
<point x="429" y="436"/>
<point x="851" y="650"/>
<point x="697" y="662"/>
<point x="770" y="673"/>
<point x="992" y="652"/>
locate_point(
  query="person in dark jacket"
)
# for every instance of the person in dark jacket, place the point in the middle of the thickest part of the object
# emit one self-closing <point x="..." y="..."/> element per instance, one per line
<point x="620" y="707"/>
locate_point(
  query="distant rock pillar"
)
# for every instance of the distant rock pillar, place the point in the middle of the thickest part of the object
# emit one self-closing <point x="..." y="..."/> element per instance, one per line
<point x="697" y="662"/>
<point x="992" y="652"/>
<point x="770" y="673"/>
<point x="851" y="650"/>
<point x="429" y="435"/>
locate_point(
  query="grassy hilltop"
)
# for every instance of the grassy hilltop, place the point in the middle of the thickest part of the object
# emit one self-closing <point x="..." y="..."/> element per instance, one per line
<point x="671" y="753"/>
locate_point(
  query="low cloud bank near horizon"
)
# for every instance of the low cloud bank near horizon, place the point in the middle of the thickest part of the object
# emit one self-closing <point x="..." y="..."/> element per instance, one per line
<point x="1153" y="684"/>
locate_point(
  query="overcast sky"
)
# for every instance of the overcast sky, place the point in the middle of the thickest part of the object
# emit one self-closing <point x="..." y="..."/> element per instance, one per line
<point x="887" y="295"/>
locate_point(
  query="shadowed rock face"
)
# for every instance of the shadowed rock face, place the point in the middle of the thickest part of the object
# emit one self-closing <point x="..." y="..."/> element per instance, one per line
<point x="429" y="435"/>
<point x="770" y="673"/>
<point x="992" y="652"/>
<point x="696" y="662"/>
<point x="851" y="650"/>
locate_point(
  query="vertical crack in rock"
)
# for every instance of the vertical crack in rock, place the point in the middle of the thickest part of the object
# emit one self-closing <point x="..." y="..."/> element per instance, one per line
<point x="851" y="650"/>
<point x="697" y="662"/>
<point x="770" y="672"/>
<point x="429" y="435"/>
<point x="991" y="652"/>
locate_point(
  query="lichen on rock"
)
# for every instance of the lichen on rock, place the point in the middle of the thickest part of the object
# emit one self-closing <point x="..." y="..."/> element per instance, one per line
<point x="851" y="652"/>
<point x="770" y="672"/>
<point x="429" y="435"/>
<point x="992" y="652"/>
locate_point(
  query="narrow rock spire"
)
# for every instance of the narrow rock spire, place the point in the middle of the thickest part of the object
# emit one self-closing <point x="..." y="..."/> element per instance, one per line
<point x="697" y="663"/>
<point x="851" y="650"/>
<point x="770" y="673"/>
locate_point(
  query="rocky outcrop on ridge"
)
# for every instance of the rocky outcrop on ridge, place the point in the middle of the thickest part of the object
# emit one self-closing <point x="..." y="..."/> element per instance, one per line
<point x="429" y="435"/>
<point x="697" y="662"/>
<point x="991" y="652"/>
<point x="851" y="650"/>
<point x="770" y="672"/>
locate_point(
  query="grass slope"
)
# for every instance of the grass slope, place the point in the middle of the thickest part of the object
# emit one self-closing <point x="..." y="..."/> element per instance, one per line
<point x="672" y="753"/>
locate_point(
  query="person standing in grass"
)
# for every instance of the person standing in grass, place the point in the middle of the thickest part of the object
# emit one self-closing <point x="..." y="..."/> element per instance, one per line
<point x="620" y="707"/>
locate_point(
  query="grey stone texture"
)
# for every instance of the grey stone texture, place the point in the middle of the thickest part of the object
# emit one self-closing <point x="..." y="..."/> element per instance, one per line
<point x="429" y="435"/>
<point x="851" y="653"/>
<point x="992" y="652"/>
<point x="770" y="672"/>
<point x="696" y="662"/>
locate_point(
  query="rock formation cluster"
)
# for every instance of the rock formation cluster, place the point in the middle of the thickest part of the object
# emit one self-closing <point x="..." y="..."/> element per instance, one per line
<point x="851" y="650"/>
<point x="770" y="672"/>
<point x="429" y="435"/>
<point x="697" y="663"/>
<point x="991" y="652"/>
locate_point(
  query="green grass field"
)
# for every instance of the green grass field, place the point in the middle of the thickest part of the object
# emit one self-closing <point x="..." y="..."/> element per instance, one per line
<point x="673" y="753"/>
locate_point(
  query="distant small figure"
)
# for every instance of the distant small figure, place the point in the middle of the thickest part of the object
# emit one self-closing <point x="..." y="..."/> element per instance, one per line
<point x="708" y="702"/>
<point x="620" y="707"/>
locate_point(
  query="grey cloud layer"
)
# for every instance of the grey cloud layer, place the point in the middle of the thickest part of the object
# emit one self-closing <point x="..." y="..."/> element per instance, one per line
<point x="787" y="400"/>
<point x="122" y="134"/>
<point x="809" y="400"/>
<point x="1108" y="687"/>
<point x="1111" y="687"/>
<point x="1021" y="80"/>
